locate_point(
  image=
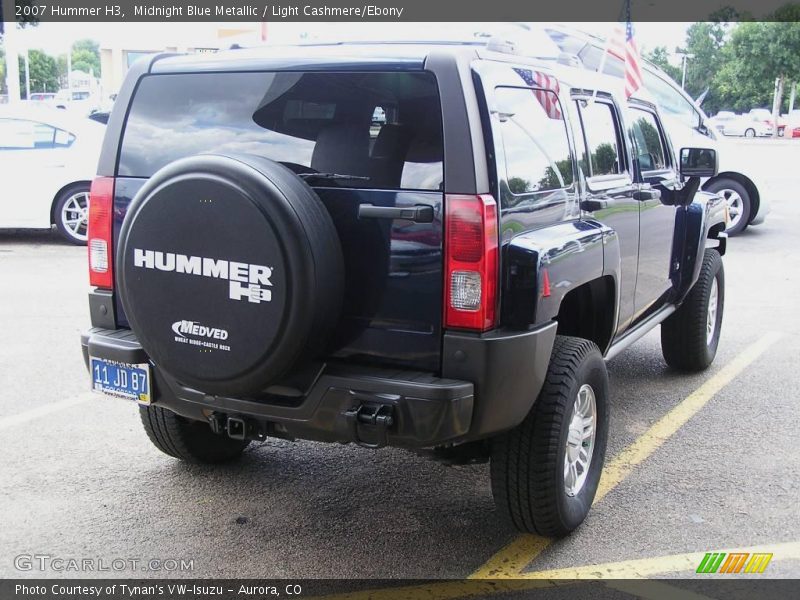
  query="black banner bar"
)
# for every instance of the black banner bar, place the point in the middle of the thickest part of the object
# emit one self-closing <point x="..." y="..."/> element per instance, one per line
<point x="392" y="10"/>
<point x="744" y="588"/>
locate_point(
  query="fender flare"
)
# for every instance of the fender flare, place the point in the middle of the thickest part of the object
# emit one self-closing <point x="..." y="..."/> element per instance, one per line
<point x="542" y="266"/>
<point x="701" y="225"/>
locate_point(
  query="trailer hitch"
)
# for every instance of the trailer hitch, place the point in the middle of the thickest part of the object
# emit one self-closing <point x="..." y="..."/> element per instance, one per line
<point x="370" y="418"/>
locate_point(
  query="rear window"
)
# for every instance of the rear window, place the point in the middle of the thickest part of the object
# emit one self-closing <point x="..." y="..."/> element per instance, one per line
<point x="535" y="140"/>
<point x="383" y="130"/>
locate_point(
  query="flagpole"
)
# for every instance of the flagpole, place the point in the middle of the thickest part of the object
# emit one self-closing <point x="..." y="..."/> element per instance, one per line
<point x="602" y="64"/>
<point x="625" y="11"/>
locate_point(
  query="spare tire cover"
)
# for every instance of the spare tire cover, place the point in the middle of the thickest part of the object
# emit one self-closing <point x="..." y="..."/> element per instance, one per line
<point x="230" y="271"/>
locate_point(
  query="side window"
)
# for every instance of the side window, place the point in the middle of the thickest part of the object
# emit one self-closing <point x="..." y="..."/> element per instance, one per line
<point x="534" y="137"/>
<point x="63" y="139"/>
<point x="20" y="134"/>
<point x="648" y="141"/>
<point x="600" y="129"/>
<point x="671" y="101"/>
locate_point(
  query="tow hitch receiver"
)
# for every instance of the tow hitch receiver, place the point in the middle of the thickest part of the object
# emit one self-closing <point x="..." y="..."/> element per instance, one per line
<point x="237" y="428"/>
<point x="374" y="420"/>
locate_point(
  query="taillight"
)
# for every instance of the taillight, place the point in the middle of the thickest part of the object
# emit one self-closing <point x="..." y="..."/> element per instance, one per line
<point x="101" y="216"/>
<point x="471" y="258"/>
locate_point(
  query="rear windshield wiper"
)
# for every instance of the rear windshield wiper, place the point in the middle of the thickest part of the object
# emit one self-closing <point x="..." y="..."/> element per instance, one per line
<point x="331" y="176"/>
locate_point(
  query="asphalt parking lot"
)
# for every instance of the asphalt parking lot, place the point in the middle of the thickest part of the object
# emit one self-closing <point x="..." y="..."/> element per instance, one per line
<point x="696" y="464"/>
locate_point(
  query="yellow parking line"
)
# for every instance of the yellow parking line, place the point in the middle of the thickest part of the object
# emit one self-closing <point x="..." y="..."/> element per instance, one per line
<point x="647" y="567"/>
<point x="509" y="561"/>
<point x="622" y="464"/>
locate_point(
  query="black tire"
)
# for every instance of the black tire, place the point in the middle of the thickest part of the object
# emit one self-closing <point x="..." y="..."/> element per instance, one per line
<point x="723" y="187"/>
<point x="684" y="340"/>
<point x="527" y="463"/>
<point x="75" y="191"/>
<point x="190" y="441"/>
<point x="750" y="133"/>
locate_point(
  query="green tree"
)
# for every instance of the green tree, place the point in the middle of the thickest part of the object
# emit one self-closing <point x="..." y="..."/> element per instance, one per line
<point x="604" y="159"/>
<point x="758" y="54"/>
<point x="705" y="42"/>
<point x="659" y="57"/>
<point x="518" y="185"/>
<point x="86" y="56"/>
<point x="43" y="72"/>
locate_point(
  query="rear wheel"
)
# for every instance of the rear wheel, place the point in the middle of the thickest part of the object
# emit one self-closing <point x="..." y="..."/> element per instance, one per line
<point x="690" y="336"/>
<point x="738" y="200"/>
<point x="546" y="470"/>
<point x="71" y="213"/>
<point x="190" y="441"/>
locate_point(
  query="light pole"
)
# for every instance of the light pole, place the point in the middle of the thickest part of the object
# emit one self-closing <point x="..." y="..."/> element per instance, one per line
<point x="684" y="59"/>
<point x="12" y="61"/>
<point x="27" y="74"/>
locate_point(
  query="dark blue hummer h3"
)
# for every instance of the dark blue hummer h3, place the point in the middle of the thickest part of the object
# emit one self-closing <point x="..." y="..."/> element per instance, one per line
<point x="426" y="246"/>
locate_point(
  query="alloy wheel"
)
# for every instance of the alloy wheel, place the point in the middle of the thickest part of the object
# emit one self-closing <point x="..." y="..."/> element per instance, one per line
<point x="580" y="440"/>
<point x="75" y="215"/>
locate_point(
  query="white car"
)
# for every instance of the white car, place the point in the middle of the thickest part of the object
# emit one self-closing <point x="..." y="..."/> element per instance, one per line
<point x="722" y="118"/>
<point x="745" y="184"/>
<point x="48" y="159"/>
<point x="748" y="125"/>
<point x="79" y="101"/>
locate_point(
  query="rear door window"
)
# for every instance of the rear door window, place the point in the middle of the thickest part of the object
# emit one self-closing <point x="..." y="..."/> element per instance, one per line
<point x="602" y="141"/>
<point x="384" y="130"/>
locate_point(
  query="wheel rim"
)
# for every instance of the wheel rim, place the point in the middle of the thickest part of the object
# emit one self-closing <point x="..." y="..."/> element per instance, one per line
<point x="750" y="133"/>
<point x="580" y="440"/>
<point x="735" y="205"/>
<point x="75" y="215"/>
<point x="711" y="313"/>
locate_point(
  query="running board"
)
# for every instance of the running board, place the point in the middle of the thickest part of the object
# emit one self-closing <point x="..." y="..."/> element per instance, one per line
<point x="640" y="331"/>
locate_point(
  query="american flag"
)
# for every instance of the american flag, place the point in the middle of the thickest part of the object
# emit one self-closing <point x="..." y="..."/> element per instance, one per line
<point x="545" y="89"/>
<point x="623" y="45"/>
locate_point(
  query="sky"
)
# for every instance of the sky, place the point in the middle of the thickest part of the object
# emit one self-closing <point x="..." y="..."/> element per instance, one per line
<point x="55" y="38"/>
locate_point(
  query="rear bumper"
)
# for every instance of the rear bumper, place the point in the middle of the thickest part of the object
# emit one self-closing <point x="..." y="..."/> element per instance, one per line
<point x="488" y="385"/>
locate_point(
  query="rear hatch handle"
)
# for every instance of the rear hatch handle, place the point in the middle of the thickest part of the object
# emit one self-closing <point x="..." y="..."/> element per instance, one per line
<point x="420" y="213"/>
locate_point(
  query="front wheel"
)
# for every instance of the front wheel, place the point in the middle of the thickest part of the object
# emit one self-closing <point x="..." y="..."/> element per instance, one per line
<point x="546" y="470"/>
<point x="738" y="200"/>
<point x="750" y="133"/>
<point x="71" y="213"/>
<point x="690" y="336"/>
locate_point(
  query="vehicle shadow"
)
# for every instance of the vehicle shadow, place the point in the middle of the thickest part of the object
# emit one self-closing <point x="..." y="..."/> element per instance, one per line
<point x="34" y="237"/>
<point x="332" y="509"/>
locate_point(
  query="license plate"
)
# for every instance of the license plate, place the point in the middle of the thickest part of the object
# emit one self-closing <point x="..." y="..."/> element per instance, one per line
<point x="122" y="380"/>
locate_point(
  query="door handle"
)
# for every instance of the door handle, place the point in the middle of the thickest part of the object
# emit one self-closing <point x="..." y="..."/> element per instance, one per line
<point x="647" y="195"/>
<point x="421" y="213"/>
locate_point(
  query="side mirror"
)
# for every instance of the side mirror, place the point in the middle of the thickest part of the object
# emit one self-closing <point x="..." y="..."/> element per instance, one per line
<point x="699" y="162"/>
